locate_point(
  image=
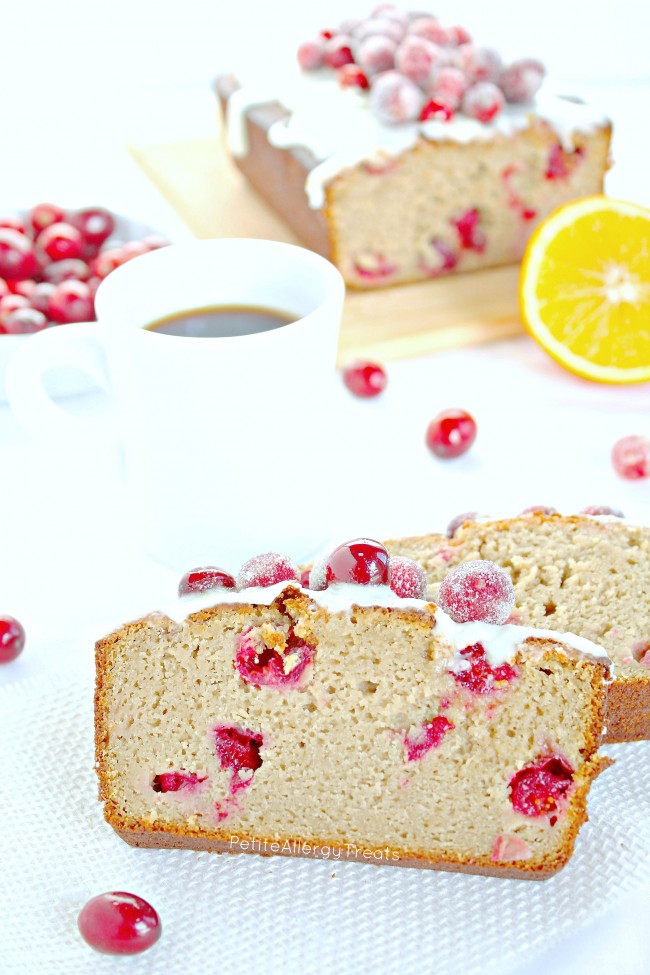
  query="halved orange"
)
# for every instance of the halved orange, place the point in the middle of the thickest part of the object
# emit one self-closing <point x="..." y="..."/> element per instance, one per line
<point x="584" y="289"/>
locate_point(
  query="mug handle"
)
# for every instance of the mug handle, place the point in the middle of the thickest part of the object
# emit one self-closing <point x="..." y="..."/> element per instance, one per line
<point x="76" y="345"/>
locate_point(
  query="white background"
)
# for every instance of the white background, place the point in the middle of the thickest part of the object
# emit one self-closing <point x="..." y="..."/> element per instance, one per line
<point x="77" y="79"/>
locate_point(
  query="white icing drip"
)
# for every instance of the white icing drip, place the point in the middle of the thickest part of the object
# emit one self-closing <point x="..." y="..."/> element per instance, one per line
<point x="500" y="642"/>
<point x="340" y="129"/>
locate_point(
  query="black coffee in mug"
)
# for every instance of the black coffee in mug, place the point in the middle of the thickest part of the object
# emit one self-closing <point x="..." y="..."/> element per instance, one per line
<point x="222" y="321"/>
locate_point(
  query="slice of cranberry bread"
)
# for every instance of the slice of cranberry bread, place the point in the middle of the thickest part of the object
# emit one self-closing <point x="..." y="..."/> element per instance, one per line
<point x="348" y="721"/>
<point x="586" y="574"/>
<point x="402" y="151"/>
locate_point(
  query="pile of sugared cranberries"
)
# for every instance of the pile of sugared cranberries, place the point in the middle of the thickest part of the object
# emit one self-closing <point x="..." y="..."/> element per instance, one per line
<point x="52" y="261"/>
<point x="414" y="68"/>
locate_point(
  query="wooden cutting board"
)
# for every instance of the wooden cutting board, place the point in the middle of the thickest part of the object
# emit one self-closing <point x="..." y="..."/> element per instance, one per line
<point x="197" y="178"/>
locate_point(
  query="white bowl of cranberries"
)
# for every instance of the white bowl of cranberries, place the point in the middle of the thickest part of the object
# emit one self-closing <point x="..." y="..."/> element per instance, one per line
<point x="52" y="260"/>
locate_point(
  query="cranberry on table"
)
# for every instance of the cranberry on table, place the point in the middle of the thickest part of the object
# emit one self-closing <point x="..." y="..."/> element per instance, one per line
<point x="267" y="569"/>
<point x="118" y="923"/>
<point x="630" y="457"/>
<point x="204" y="579"/>
<point x="365" y="379"/>
<point x="477" y="590"/>
<point x="451" y="433"/>
<point x="60" y="241"/>
<point x="12" y="639"/>
<point x="362" y="561"/>
<point x="44" y="214"/>
<point x="71" y="301"/>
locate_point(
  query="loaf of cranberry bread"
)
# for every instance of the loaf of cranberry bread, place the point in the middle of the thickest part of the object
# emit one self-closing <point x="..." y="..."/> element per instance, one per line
<point x="352" y="719"/>
<point x="402" y="151"/>
<point x="589" y="574"/>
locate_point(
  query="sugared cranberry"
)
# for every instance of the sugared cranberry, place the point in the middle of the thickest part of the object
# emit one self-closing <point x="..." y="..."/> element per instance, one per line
<point x="380" y="26"/>
<point x="376" y="54"/>
<point x="538" y="788"/>
<point x="477" y="590"/>
<point x="12" y="639"/>
<point x="95" y="224"/>
<point x="117" y="923"/>
<point x="480" y="677"/>
<point x="176" y="781"/>
<point x="264" y="666"/>
<point x="10" y="222"/>
<point x="395" y="98"/>
<point x="459" y="35"/>
<point x="602" y="509"/>
<point x="539" y="509"/>
<point x="521" y="80"/>
<point x="448" y="87"/>
<point x="204" y="579"/>
<point x="436" y="111"/>
<point x="471" y="237"/>
<point x="304" y="578"/>
<point x="72" y="301"/>
<point x="365" y="379"/>
<point x="483" y="101"/>
<point x="238" y="749"/>
<point x="10" y="303"/>
<point x="40" y="295"/>
<point x="311" y="55"/>
<point x="351" y="76"/>
<point x="61" y="241"/>
<point x="71" y="269"/>
<point x="338" y="51"/>
<point x="361" y="561"/>
<point x="266" y="570"/>
<point x="318" y="576"/>
<point x="44" y="214"/>
<point x="429" y="736"/>
<point x="430" y="28"/>
<point x="630" y="456"/>
<point x="24" y="321"/>
<point x="459" y="520"/>
<point x="416" y="58"/>
<point x="479" y="63"/>
<point x="451" y="433"/>
<point x="407" y="578"/>
<point x="17" y="258"/>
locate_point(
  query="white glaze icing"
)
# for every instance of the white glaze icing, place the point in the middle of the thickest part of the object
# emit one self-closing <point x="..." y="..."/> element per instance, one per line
<point x="339" y="128"/>
<point x="500" y="642"/>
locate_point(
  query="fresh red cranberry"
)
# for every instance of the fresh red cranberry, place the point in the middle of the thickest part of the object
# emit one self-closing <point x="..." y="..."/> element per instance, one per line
<point x="361" y="561"/>
<point x="338" y="51"/>
<point x="430" y="736"/>
<point x="72" y="301"/>
<point x="204" y="579"/>
<point x="459" y="520"/>
<point x="539" y="788"/>
<point x="365" y="379"/>
<point x="4" y="288"/>
<point x="12" y="223"/>
<point x="407" y="578"/>
<point x="483" y="101"/>
<point x="39" y="297"/>
<point x="71" y="269"/>
<point x="117" y="923"/>
<point x="467" y="226"/>
<point x="376" y="54"/>
<point x="436" y="111"/>
<point x="95" y="224"/>
<point x="266" y="570"/>
<point x="44" y="214"/>
<point x="477" y="590"/>
<point x="602" y="509"/>
<point x="304" y="578"/>
<point x="451" y="434"/>
<point x="106" y="261"/>
<point x="24" y="288"/>
<point x="394" y="98"/>
<point x="238" y="750"/>
<point x="265" y="666"/>
<point x="61" y="241"/>
<point x="521" y="80"/>
<point x="17" y="258"/>
<point x="480" y="677"/>
<point x="351" y="76"/>
<point x="630" y="456"/>
<point x="176" y="781"/>
<point x="11" y="303"/>
<point x="24" y="321"/>
<point x="12" y="639"/>
<point x="539" y="509"/>
<point x="311" y="55"/>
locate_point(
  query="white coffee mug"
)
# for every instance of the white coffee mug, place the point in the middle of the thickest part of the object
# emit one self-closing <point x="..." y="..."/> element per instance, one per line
<point x="225" y="455"/>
